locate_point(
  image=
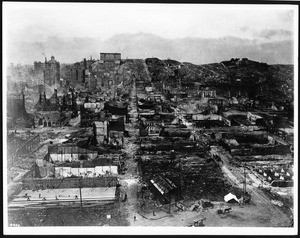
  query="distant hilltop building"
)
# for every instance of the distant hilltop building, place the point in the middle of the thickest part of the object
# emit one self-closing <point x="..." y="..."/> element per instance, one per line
<point x="110" y="58"/>
<point x="51" y="70"/>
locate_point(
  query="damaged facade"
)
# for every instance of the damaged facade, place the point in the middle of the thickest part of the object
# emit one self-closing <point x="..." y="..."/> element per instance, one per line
<point x="50" y="69"/>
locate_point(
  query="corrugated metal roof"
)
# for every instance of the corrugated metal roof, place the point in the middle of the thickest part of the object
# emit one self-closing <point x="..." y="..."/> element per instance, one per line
<point x="164" y="185"/>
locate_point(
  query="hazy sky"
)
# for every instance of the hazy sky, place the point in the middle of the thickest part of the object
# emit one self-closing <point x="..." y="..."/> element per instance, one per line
<point x="71" y="31"/>
<point x="37" y="21"/>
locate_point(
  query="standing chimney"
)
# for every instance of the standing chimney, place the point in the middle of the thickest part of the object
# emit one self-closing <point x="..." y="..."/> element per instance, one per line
<point x="84" y="63"/>
<point x="44" y="80"/>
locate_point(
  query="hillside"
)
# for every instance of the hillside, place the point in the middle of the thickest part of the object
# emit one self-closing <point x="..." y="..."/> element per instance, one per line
<point x="242" y="77"/>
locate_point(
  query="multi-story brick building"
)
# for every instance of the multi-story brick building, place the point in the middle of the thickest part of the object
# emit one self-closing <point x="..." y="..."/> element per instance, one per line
<point x="50" y="69"/>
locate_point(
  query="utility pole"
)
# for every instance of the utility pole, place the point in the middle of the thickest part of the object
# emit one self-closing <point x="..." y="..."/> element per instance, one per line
<point x="89" y="81"/>
<point x="80" y="187"/>
<point x="244" y="189"/>
<point x="170" y="203"/>
<point x="179" y="189"/>
<point x="80" y="198"/>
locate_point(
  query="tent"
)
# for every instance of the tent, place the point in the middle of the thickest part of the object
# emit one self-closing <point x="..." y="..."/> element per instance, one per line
<point x="230" y="198"/>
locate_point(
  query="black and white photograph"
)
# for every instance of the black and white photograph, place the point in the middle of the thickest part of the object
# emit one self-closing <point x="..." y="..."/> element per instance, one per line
<point x="150" y="118"/>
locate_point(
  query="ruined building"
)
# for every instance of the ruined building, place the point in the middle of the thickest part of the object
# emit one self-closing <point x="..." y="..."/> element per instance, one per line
<point x="16" y="111"/>
<point x="68" y="101"/>
<point x="51" y="104"/>
<point x="48" y="110"/>
<point x="93" y="74"/>
<point x="100" y="131"/>
<point x="81" y="70"/>
<point x="117" y="110"/>
<point x="16" y="105"/>
<point x="103" y="74"/>
<point x="50" y="69"/>
<point x="109" y="131"/>
<point x="78" y="72"/>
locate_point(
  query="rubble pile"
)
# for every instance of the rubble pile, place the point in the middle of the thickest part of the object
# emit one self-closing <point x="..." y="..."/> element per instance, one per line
<point x="153" y="136"/>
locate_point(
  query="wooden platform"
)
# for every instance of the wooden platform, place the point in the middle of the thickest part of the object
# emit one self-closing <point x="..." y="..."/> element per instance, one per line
<point x="67" y="196"/>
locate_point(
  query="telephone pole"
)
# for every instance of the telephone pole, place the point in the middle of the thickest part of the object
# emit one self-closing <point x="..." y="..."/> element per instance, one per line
<point x="170" y="203"/>
<point x="80" y="198"/>
<point x="180" y="181"/>
<point x="80" y="187"/>
<point x="244" y="189"/>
